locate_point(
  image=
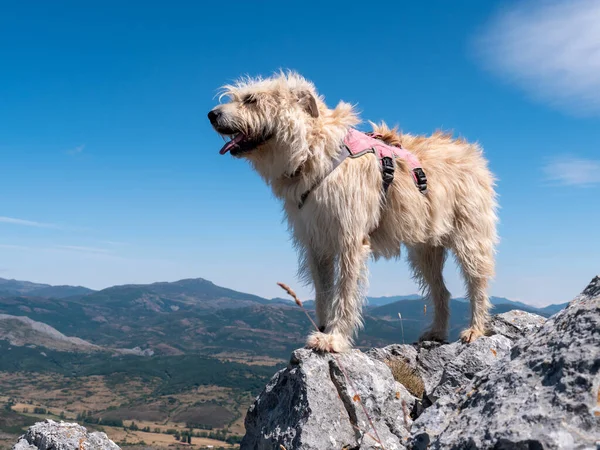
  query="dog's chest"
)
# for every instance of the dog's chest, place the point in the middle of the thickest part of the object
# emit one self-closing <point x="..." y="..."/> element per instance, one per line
<point x="334" y="210"/>
<point x="318" y="223"/>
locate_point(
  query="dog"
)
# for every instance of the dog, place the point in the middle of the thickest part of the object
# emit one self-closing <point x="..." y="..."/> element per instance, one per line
<point x="340" y="216"/>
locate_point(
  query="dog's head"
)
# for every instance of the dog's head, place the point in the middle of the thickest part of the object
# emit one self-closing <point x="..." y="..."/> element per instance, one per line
<point x="280" y="124"/>
<point x="260" y="110"/>
<point x="269" y="121"/>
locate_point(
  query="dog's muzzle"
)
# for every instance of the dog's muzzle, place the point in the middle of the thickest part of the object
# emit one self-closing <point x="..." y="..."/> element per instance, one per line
<point x="240" y="142"/>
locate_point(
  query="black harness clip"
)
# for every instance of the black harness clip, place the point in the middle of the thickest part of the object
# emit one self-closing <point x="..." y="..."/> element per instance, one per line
<point x="420" y="180"/>
<point x="387" y="167"/>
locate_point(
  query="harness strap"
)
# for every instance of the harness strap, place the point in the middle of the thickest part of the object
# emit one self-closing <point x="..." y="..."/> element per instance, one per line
<point x="340" y="159"/>
<point x="386" y="154"/>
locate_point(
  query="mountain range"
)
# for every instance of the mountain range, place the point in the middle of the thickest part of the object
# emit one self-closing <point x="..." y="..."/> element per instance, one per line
<point x="16" y="287"/>
<point x="195" y="316"/>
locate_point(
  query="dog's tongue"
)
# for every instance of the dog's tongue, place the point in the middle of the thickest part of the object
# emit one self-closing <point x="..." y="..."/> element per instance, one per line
<point x="232" y="143"/>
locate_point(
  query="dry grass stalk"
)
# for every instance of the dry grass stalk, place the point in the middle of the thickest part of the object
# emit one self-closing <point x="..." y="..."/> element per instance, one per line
<point x="377" y="439"/>
<point x="406" y="376"/>
<point x="292" y="294"/>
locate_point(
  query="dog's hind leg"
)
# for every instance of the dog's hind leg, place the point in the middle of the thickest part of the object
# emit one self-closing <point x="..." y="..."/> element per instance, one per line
<point x="344" y="316"/>
<point x="476" y="259"/>
<point x="427" y="262"/>
<point x="322" y="271"/>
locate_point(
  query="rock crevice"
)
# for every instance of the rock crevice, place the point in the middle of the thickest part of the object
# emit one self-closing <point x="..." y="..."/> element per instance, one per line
<point x="347" y="402"/>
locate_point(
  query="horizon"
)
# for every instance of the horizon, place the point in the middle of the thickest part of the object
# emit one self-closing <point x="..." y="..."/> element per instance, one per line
<point x="114" y="173"/>
<point x="281" y="297"/>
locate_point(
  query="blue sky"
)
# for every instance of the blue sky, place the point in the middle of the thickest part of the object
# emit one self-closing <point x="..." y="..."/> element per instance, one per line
<point x="110" y="172"/>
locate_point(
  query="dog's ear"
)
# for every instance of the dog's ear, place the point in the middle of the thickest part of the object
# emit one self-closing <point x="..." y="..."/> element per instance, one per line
<point x="309" y="103"/>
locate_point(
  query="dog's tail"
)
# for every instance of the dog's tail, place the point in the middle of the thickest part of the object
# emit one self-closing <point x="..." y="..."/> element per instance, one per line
<point x="391" y="136"/>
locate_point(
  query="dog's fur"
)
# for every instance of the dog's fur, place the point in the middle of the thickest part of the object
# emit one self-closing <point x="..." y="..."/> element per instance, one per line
<point x="348" y="217"/>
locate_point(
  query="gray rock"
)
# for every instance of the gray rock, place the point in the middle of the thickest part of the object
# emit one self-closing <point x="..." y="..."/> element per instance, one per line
<point x="432" y="360"/>
<point x="311" y="405"/>
<point x="592" y="290"/>
<point x="24" y="445"/>
<point x="51" y="435"/>
<point x="408" y="353"/>
<point x="516" y="324"/>
<point x="544" y="395"/>
<point x="470" y="359"/>
<point x="446" y="367"/>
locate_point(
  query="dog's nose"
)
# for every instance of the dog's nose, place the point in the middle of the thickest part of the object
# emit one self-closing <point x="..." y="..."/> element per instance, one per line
<point x="213" y="116"/>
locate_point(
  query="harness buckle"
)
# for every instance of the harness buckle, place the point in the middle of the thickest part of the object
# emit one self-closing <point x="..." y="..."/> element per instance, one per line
<point x="387" y="167"/>
<point x="420" y="180"/>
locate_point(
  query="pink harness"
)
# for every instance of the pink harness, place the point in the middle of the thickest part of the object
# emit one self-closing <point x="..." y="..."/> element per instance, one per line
<point x="357" y="144"/>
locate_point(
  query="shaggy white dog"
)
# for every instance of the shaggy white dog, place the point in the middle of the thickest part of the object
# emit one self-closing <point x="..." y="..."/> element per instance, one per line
<point x="293" y="140"/>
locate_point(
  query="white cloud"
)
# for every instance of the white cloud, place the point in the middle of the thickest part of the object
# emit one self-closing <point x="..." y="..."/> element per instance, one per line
<point x="14" y="247"/>
<point x="35" y="224"/>
<point x="60" y="248"/>
<point x="550" y="49"/>
<point x="26" y="223"/>
<point x="78" y="248"/>
<point x="572" y="171"/>
<point x="76" y="150"/>
<point x="115" y="243"/>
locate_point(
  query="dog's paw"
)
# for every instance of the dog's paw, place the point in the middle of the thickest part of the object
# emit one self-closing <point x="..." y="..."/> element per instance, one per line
<point x="471" y="334"/>
<point x="433" y="335"/>
<point x="328" y="342"/>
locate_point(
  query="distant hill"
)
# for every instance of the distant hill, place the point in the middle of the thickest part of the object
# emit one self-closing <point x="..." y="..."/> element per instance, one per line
<point x="19" y="287"/>
<point x="545" y="311"/>
<point x="380" y="301"/>
<point x="193" y="315"/>
<point x="383" y="321"/>
<point x="166" y="296"/>
<point x="416" y="317"/>
<point x="505" y="301"/>
<point x="197" y="316"/>
<point x="23" y="331"/>
<point x="16" y="287"/>
<point x="371" y="301"/>
<point x="553" y="309"/>
<point x="20" y="330"/>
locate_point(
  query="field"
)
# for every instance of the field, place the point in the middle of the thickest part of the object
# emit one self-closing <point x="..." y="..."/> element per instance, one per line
<point x="213" y="414"/>
<point x="128" y="437"/>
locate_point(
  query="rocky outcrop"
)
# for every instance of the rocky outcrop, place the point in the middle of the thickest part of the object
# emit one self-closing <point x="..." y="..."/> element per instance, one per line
<point x="544" y="396"/>
<point x="445" y="367"/>
<point x="532" y="384"/>
<point x="317" y="402"/>
<point x="51" y="435"/>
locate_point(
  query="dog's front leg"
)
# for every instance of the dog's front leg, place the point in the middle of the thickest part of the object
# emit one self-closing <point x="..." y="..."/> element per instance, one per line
<point x="345" y="309"/>
<point x="322" y="271"/>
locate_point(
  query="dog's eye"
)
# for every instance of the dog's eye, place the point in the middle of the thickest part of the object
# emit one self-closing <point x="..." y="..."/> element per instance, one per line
<point x="249" y="99"/>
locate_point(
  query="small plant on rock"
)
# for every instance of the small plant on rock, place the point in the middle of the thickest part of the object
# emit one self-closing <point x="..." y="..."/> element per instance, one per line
<point x="406" y="376"/>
